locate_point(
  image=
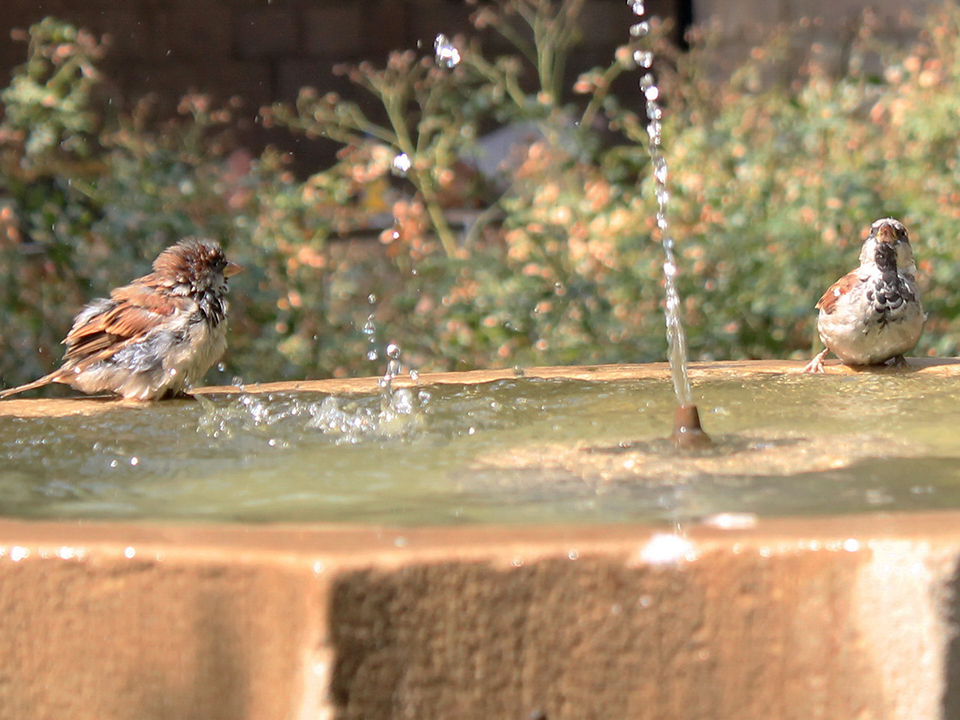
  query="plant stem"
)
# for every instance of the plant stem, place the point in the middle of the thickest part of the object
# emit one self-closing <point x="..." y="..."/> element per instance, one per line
<point x="393" y="103"/>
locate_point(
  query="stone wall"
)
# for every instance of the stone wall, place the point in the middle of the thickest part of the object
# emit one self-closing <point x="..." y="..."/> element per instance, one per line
<point x="265" y="50"/>
<point x="822" y="29"/>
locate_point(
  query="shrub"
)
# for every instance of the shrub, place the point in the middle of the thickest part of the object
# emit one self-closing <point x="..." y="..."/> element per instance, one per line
<point x="772" y="186"/>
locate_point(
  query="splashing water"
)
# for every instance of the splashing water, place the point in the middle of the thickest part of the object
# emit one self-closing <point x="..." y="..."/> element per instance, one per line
<point x="401" y="164"/>
<point x="394" y="368"/>
<point x="447" y="54"/>
<point x="399" y="414"/>
<point x="675" y="335"/>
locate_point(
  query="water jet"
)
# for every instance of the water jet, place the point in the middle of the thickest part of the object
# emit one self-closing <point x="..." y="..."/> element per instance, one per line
<point x="687" y="431"/>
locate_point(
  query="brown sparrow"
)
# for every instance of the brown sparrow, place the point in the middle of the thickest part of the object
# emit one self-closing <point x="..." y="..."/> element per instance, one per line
<point x="873" y="313"/>
<point x="154" y="337"/>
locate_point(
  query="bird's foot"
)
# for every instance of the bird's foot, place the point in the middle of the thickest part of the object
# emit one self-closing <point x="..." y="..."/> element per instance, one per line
<point x="816" y="365"/>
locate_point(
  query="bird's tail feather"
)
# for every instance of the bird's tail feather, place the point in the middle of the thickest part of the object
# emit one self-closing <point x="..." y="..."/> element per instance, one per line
<point x="45" y="380"/>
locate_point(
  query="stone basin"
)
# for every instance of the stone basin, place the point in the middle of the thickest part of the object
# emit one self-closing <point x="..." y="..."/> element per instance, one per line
<point x="726" y="614"/>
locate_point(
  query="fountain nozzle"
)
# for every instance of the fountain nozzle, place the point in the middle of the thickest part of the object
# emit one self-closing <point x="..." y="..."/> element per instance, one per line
<point x="687" y="431"/>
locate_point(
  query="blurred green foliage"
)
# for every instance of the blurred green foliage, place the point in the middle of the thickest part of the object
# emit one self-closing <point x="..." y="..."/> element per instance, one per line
<point x="773" y="185"/>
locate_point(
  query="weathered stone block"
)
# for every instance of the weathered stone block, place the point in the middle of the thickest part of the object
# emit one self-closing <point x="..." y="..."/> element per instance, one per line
<point x="385" y="27"/>
<point x="292" y="75"/>
<point x="171" y="80"/>
<point x="196" y="29"/>
<point x="266" y="32"/>
<point x="848" y="617"/>
<point x="334" y="31"/>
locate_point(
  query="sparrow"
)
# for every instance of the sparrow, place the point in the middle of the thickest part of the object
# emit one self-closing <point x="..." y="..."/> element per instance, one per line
<point x="154" y="337"/>
<point x="873" y="313"/>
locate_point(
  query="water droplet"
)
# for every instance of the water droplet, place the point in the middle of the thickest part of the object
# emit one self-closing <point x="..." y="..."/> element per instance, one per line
<point x="447" y="54"/>
<point x="221" y="367"/>
<point x="637" y="6"/>
<point x="652" y="93"/>
<point x="731" y="521"/>
<point x="573" y="554"/>
<point x="401" y="164"/>
<point x="372" y="355"/>
<point x="134" y="461"/>
<point x="643" y="58"/>
<point x="372" y="299"/>
<point x="129" y="552"/>
<point x="393" y="351"/>
<point x="640" y="29"/>
<point x="414" y="375"/>
<point x="664" y="549"/>
<point x="18" y="553"/>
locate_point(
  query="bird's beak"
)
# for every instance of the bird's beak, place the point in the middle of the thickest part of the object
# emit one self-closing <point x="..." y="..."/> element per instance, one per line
<point x="232" y="269"/>
<point x="886" y="234"/>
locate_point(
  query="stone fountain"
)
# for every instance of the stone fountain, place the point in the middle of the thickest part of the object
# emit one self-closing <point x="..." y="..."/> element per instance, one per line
<point x="496" y="544"/>
<point x="720" y="603"/>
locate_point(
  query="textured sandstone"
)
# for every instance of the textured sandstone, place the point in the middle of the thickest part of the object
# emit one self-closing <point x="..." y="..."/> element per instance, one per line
<point x="833" y="618"/>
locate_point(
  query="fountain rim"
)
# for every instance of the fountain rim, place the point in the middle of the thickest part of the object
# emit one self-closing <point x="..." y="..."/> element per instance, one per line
<point x="699" y="371"/>
<point x="357" y="542"/>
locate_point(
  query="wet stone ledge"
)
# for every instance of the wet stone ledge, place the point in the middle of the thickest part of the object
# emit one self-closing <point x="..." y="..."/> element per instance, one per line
<point x="735" y="369"/>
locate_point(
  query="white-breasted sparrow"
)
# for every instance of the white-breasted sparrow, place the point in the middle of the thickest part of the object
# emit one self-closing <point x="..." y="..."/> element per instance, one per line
<point x="873" y="313"/>
<point x="154" y="337"/>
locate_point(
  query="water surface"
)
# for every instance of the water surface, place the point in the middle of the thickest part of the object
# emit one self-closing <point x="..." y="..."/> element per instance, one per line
<point x="520" y="450"/>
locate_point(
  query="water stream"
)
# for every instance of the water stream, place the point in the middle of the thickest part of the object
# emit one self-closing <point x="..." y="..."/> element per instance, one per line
<point x="676" y="338"/>
<point x="687" y="431"/>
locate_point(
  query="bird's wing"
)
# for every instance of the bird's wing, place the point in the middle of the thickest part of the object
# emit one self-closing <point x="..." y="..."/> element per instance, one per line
<point x="106" y="326"/>
<point x="841" y="287"/>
